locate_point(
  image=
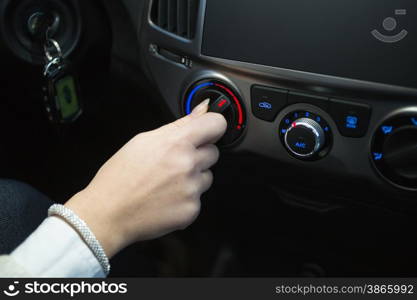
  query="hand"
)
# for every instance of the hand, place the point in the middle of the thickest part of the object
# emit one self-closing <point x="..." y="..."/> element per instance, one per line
<point x="152" y="186"/>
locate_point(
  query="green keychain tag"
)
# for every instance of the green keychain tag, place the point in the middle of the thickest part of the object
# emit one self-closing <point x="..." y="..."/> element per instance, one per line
<point x="67" y="98"/>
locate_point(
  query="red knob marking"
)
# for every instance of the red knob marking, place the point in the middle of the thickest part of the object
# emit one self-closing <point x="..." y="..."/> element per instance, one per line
<point x="222" y="103"/>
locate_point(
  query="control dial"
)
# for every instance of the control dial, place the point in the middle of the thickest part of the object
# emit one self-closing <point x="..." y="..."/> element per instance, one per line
<point x="305" y="135"/>
<point x="394" y="150"/>
<point x="223" y="100"/>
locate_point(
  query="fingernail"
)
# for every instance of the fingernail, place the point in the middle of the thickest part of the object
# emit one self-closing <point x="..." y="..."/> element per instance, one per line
<point x="202" y="108"/>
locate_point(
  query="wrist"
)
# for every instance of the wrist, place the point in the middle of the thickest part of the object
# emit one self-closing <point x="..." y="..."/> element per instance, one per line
<point x="99" y="221"/>
<point x="81" y="228"/>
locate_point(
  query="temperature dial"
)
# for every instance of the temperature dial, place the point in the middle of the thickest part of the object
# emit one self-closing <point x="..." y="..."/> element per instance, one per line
<point x="223" y="100"/>
<point x="305" y="135"/>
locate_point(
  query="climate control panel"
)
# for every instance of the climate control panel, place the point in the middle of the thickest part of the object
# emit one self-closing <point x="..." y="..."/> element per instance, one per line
<point x="312" y="127"/>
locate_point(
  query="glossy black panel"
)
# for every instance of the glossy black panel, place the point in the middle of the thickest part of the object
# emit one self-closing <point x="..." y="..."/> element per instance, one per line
<point x="323" y="36"/>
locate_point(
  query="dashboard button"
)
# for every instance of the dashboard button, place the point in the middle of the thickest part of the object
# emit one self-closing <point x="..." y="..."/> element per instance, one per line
<point x="351" y="118"/>
<point x="301" y="141"/>
<point x="268" y="102"/>
<point x="296" y="97"/>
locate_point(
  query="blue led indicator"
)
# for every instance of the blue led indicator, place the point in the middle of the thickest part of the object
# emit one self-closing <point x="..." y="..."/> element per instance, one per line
<point x="352" y="122"/>
<point x="265" y="105"/>
<point x="301" y="145"/>
<point x="307" y="114"/>
<point x="283" y="131"/>
<point x="378" y="156"/>
<point x="193" y="92"/>
<point x="387" y="129"/>
<point x="414" y="121"/>
<point x="295" y="115"/>
<point x="318" y="119"/>
<point x="327" y="129"/>
<point x="287" y="121"/>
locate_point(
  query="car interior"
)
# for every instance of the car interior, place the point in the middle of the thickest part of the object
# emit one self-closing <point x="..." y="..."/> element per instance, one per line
<point x="318" y="168"/>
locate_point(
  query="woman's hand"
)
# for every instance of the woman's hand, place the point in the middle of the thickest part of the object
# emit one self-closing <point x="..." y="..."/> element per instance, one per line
<point x="152" y="186"/>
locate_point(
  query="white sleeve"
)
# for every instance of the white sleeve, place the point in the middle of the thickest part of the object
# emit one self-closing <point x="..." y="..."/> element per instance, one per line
<point x="56" y="250"/>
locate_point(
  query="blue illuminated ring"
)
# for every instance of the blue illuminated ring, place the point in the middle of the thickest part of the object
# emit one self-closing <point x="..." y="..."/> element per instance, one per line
<point x="193" y="92"/>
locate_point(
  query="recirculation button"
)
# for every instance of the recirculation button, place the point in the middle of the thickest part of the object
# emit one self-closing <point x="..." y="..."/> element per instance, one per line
<point x="268" y="102"/>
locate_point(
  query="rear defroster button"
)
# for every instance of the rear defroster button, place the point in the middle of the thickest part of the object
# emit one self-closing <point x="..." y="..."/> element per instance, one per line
<point x="351" y="118"/>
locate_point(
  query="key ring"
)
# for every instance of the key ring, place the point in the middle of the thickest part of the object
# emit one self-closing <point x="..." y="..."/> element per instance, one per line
<point x="55" y="44"/>
<point x="54" y="65"/>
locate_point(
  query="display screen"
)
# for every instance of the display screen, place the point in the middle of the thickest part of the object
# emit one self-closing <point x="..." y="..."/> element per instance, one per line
<point x="369" y="40"/>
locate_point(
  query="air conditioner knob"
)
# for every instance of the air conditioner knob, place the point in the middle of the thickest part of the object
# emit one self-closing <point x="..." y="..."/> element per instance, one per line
<point x="304" y="138"/>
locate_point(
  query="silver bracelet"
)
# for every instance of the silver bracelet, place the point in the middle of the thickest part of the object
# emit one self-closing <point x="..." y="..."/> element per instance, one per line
<point x="85" y="232"/>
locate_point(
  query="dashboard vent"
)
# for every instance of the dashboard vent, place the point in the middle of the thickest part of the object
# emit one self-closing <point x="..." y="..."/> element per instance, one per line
<point x="176" y="16"/>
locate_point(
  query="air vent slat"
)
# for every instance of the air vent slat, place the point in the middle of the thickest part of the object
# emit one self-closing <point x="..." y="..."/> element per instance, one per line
<point x="162" y="16"/>
<point x="172" y="16"/>
<point x="176" y="16"/>
<point x="183" y="18"/>
<point x="193" y="14"/>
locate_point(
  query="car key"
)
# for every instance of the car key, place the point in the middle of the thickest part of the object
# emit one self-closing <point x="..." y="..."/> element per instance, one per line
<point x="61" y="90"/>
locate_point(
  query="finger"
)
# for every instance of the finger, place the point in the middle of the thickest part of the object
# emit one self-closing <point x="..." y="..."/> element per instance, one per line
<point x="206" y="179"/>
<point x="201" y="109"/>
<point x="198" y="111"/>
<point x="206" y="129"/>
<point x="207" y="156"/>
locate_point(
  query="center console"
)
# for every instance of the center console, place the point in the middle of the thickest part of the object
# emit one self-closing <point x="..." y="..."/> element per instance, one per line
<point x="328" y="87"/>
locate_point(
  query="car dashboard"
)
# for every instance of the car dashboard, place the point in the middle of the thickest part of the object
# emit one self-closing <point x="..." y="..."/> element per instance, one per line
<point x="326" y="90"/>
